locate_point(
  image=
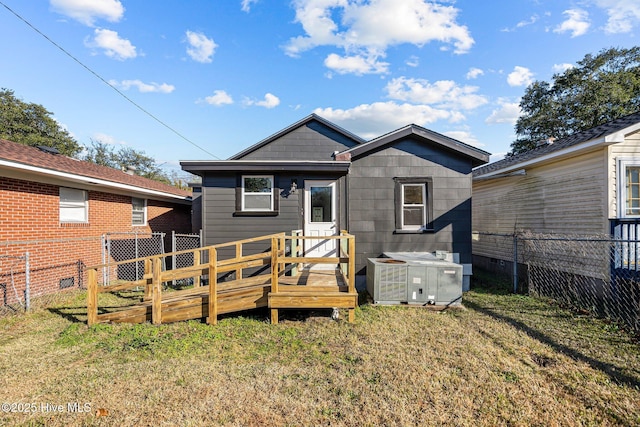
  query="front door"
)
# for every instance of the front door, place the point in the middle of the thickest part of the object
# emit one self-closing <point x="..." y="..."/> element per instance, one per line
<point x="320" y="220"/>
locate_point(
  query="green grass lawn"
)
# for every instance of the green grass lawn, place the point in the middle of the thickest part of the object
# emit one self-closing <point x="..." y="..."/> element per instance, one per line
<point x="502" y="359"/>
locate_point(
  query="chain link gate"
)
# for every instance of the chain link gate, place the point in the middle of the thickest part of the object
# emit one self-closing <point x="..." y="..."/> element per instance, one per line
<point x="183" y="242"/>
<point x="124" y="246"/>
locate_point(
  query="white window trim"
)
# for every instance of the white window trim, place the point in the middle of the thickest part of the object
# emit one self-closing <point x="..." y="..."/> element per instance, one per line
<point x="84" y="205"/>
<point x="423" y="186"/>
<point x="144" y="212"/>
<point x="621" y="184"/>
<point x="243" y="207"/>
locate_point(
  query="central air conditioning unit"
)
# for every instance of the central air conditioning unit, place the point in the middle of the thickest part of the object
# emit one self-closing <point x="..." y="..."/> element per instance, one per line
<point x="424" y="280"/>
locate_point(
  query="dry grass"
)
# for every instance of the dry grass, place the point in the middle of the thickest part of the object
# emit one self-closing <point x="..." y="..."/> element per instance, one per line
<point x="501" y="360"/>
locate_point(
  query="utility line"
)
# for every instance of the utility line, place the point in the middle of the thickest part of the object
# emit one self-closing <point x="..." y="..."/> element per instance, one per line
<point x="106" y="82"/>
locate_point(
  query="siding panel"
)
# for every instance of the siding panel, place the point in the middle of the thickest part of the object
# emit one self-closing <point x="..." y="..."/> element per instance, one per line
<point x="372" y="206"/>
<point x="564" y="197"/>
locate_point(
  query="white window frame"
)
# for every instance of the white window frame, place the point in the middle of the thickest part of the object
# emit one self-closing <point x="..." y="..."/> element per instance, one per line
<point x="423" y="187"/>
<point x="623" y="163"/>
<point x="72" y="201"/>
<point x="246" y="193"/>
<point x="144" y="212"/>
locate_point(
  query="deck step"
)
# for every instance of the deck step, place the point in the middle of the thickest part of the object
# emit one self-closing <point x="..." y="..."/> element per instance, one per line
<point x="311" y="299"/>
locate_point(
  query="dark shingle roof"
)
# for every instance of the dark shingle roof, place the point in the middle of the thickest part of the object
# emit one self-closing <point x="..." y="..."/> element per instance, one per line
<point x="572" y="140"/>
<point x="478" y="156"/>
<point x="309" y="118"/>
<point x="30" y="156"/>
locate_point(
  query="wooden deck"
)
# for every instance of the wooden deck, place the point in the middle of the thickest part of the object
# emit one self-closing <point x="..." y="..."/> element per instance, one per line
<point x="333" y="288"/>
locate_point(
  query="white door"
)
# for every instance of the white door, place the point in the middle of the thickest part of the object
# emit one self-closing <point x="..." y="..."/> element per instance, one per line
<point x="320" y="220"/>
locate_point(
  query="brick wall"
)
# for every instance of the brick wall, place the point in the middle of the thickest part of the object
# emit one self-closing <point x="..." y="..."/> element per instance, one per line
<point x="58" y="252"/>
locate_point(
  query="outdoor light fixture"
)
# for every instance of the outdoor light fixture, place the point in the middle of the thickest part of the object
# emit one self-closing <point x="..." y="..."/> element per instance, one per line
<point x="294" y="186"/>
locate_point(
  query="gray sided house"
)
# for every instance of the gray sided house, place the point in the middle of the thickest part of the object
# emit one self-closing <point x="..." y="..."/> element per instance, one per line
<point x="408" y="190"/>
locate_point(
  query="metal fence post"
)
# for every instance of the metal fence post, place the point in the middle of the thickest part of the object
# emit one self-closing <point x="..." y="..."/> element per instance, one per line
<point x="173" y="257"/>
<point x="27" y="285"/>
<point x="515" y="263"/>
<point x="136" y="254"/>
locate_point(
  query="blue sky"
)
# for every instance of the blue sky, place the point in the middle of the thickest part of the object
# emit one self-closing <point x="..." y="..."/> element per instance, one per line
<point x="225" y="74"/>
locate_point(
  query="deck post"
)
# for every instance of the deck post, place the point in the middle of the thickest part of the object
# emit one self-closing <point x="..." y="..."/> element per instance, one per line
<point x="294" y="253"/>
<point x="156" y="293"/>
<point x="92" y="296"/>
<point x="352" y="264"/>
<point x="197" y="280"/>
<point x="352" y="275"/>
<point x="274" y="276"/>
<point x="213" y="287"/>
<point x="148" y="286"/>
<point x="238" y="271"/>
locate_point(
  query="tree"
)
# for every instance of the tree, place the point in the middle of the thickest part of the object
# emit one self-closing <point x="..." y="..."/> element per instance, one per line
<point x="32" y="124"/>
<point x="600" y="89"/>
<point x="125" y="158"/>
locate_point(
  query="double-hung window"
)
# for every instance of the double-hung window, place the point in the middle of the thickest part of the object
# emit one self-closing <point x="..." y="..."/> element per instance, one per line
<point x="629" y="187"/>
<point x="257" y="193"/>
<point x="414" y="208"/>
<point x="74" y="205"/>
<point x="138" y="211"/>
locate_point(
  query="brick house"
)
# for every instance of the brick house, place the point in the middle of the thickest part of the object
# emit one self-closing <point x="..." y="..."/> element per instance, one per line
<point x="57" y="209"/>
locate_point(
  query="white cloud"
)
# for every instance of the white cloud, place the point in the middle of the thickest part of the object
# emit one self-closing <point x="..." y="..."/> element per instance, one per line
<point x="371" y="120"/>
<point x="464" y="136"/>
<point x="113" y="46"/>
<point x="413" y="61"/>
<point x="534" y="18"/>
<point x="357" y="65"/>
<point x="474" y="73"/>
<point x="64" y="126"/>
<point x="246" y="5"/>
<point x="106" y="139"/>
<point x="561" y="68"/>
<point x="269" y="101"/>
<point x="577" y="22"/>
<point x="201" y="48"/>
<point x="444" y="93"/>
<point x="219" y="98"/>
<point x="497" y="156"/>
<point x="623" y="15"/>
<point x="520" y="76"/>
<point x="367" y="29"/>
<point x="143" y="87"/>
<point x="87" y="12"/>
<point x="507" y="112"/>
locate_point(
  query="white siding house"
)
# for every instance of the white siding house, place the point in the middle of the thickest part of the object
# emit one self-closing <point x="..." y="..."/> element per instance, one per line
<point x="587" y="184"/>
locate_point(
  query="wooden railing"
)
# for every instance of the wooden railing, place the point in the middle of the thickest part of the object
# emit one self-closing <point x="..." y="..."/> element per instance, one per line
<point x="344" y="259"/>
<point x="206" y="264"/>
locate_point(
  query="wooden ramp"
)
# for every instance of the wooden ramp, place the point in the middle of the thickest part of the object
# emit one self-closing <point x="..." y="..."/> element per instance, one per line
<point x="270" y="287"/>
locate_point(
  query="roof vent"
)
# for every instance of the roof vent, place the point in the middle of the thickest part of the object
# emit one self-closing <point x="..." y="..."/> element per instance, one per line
<point x="46" y="149"/>
<point x="130" y="170"/>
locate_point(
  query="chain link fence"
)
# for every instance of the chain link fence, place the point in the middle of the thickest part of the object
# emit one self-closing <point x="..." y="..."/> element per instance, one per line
<point x="183" y="242"/>
<point x="596" y="274"/>
<point x="39" y="267"/>
<point x="15" y="280"/>
<point x="32" y="268"/>
<point x="119" y="247"/>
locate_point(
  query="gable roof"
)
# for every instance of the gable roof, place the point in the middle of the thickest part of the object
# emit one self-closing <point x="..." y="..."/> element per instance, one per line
<point x="309" y="118"/>
<point x="606" y="134"/>
<point x="477" y="156"/>
<point x="25" y="159"/>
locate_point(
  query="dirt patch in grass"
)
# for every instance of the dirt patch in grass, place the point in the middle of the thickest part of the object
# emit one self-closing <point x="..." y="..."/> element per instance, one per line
<point x="501" y="360"/>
